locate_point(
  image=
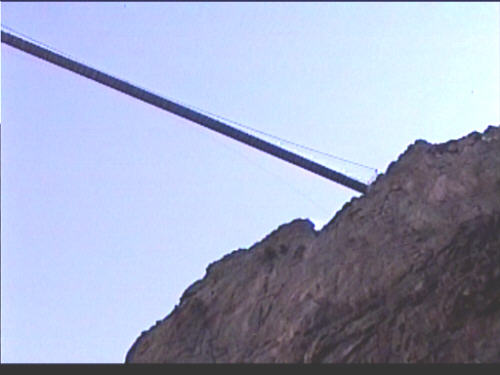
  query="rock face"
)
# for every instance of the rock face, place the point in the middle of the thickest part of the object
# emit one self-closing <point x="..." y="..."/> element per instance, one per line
<point x="408" y="272"/>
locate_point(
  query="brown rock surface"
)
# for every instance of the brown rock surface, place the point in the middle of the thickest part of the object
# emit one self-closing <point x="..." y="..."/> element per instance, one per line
<point x="409" y="272"/>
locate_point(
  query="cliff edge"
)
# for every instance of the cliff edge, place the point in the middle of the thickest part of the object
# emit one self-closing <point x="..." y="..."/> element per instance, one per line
<point x="408" y="272"/>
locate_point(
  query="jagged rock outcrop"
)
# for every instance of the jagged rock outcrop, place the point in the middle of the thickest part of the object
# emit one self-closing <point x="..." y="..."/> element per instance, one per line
<point x="408" y="272"/>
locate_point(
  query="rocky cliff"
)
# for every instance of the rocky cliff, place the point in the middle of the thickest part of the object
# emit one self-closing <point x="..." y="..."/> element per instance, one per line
<point x="408" y="272"/>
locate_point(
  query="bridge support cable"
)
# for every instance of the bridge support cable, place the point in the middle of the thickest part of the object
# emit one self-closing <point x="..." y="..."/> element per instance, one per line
<point x="181" y="111"/>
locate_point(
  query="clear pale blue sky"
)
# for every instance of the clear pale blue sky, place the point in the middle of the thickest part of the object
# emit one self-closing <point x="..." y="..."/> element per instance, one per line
<point x="111" y="208"/>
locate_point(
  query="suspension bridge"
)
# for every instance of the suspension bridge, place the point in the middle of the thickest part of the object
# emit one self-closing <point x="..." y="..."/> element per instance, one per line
<point x="184" y="111"/>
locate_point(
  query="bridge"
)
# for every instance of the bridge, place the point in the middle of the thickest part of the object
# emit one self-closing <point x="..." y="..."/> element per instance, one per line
<point x="179" y="110"/>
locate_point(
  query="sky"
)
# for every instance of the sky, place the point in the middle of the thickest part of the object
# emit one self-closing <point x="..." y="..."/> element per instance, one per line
<point x="111" y="208"/>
